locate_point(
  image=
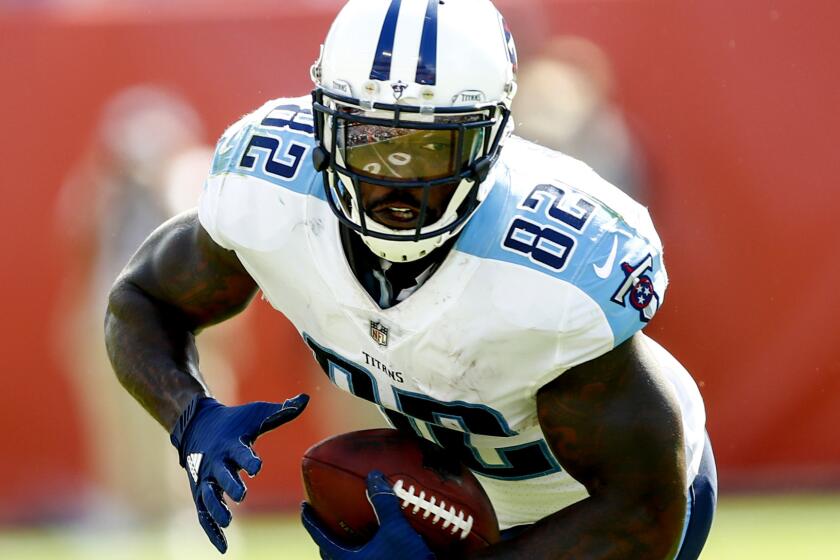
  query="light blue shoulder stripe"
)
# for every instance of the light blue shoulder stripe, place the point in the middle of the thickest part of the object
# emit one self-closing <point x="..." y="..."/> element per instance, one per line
<point x="608" y="260"/>
<point x="273" y="144"/>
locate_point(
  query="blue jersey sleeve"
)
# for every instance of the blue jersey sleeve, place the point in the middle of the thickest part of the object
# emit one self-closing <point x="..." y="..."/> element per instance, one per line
<point x="260" y="162"/>
<point x="624" y="274"/>
<point x="611" y="255"/>
<point x="273" y="144"/>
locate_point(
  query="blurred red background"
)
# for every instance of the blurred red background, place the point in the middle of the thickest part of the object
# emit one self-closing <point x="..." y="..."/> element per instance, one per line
<point x="734" y="103"/>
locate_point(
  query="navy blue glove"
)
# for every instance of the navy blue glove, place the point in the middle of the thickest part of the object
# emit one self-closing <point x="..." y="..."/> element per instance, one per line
<point x="214" y="443"/>
<point x="394" y="539"/>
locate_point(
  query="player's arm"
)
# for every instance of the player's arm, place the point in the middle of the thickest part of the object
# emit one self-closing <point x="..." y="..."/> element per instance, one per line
<point x="178" y="282"/>
<point x="614" y="425"/>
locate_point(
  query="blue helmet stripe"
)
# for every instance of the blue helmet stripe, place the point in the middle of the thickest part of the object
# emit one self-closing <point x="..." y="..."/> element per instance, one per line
<point x="385" y="49"/>
<point x="427" y="64"/>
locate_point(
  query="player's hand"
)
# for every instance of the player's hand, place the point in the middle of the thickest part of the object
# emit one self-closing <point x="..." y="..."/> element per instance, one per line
<point x="394" y="539"/>
<point x="214" y="443"/>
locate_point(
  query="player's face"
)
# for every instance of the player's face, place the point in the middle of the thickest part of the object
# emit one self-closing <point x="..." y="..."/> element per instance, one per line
<point x="400" y="208"/>
<point x="407" y="154"/>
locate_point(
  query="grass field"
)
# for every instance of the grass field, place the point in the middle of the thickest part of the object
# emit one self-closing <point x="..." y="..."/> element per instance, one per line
<point x="746" y="528"/>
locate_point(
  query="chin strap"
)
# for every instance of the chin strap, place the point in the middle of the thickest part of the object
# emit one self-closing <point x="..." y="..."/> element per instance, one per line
<point x="320" y="159"/>
<point x="481" y="169"/>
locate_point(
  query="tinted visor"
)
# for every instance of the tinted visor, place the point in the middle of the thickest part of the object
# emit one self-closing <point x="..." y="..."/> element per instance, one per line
<point x="409" y="154"/>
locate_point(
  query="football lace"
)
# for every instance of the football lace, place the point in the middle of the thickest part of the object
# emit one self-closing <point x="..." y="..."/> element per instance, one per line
<point x="451" y="517"/>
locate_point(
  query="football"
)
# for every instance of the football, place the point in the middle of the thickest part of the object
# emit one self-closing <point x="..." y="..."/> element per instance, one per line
<point x="442" y="500"/>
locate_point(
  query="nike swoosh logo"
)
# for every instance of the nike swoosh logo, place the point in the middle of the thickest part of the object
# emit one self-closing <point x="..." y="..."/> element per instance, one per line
<point x="605" y="269"/>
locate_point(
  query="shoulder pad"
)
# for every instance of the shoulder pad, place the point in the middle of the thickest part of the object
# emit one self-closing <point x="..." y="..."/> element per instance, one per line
<point x="261" y="164"/>
<point x="273" y="143"/>
<point x="557" y="217"/>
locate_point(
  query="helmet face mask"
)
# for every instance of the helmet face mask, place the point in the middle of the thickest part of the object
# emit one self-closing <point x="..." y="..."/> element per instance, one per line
<point x="406" y="153"/>
<point x="441" y="153"/>
<point x="404" y="162"/>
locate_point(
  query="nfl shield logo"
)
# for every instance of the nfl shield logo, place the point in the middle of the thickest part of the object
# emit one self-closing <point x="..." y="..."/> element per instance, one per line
<point x="379" y="333"/>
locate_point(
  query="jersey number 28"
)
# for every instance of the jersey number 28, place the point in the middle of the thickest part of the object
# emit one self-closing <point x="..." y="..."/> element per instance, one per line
<point x="548" y="246"/>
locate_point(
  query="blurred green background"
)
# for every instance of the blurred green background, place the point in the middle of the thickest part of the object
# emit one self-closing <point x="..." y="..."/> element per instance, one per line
<point x="792" y="527"/>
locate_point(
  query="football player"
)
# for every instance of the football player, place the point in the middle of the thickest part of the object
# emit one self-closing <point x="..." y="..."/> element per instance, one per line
<point x="486" y="293"/>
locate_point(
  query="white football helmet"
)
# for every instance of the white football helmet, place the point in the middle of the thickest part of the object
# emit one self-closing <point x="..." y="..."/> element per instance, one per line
<point x="413" y="96"/>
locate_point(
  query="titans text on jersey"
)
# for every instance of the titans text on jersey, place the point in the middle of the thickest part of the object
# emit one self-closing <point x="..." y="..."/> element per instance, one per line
<point x="555" y="268"/>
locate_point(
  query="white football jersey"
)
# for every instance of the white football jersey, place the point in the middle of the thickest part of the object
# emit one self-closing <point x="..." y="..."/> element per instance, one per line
<point x="555" y="268"/>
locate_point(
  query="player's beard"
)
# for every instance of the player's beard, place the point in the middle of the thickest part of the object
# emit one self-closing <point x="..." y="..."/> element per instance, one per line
<point x="400" y="208"/>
